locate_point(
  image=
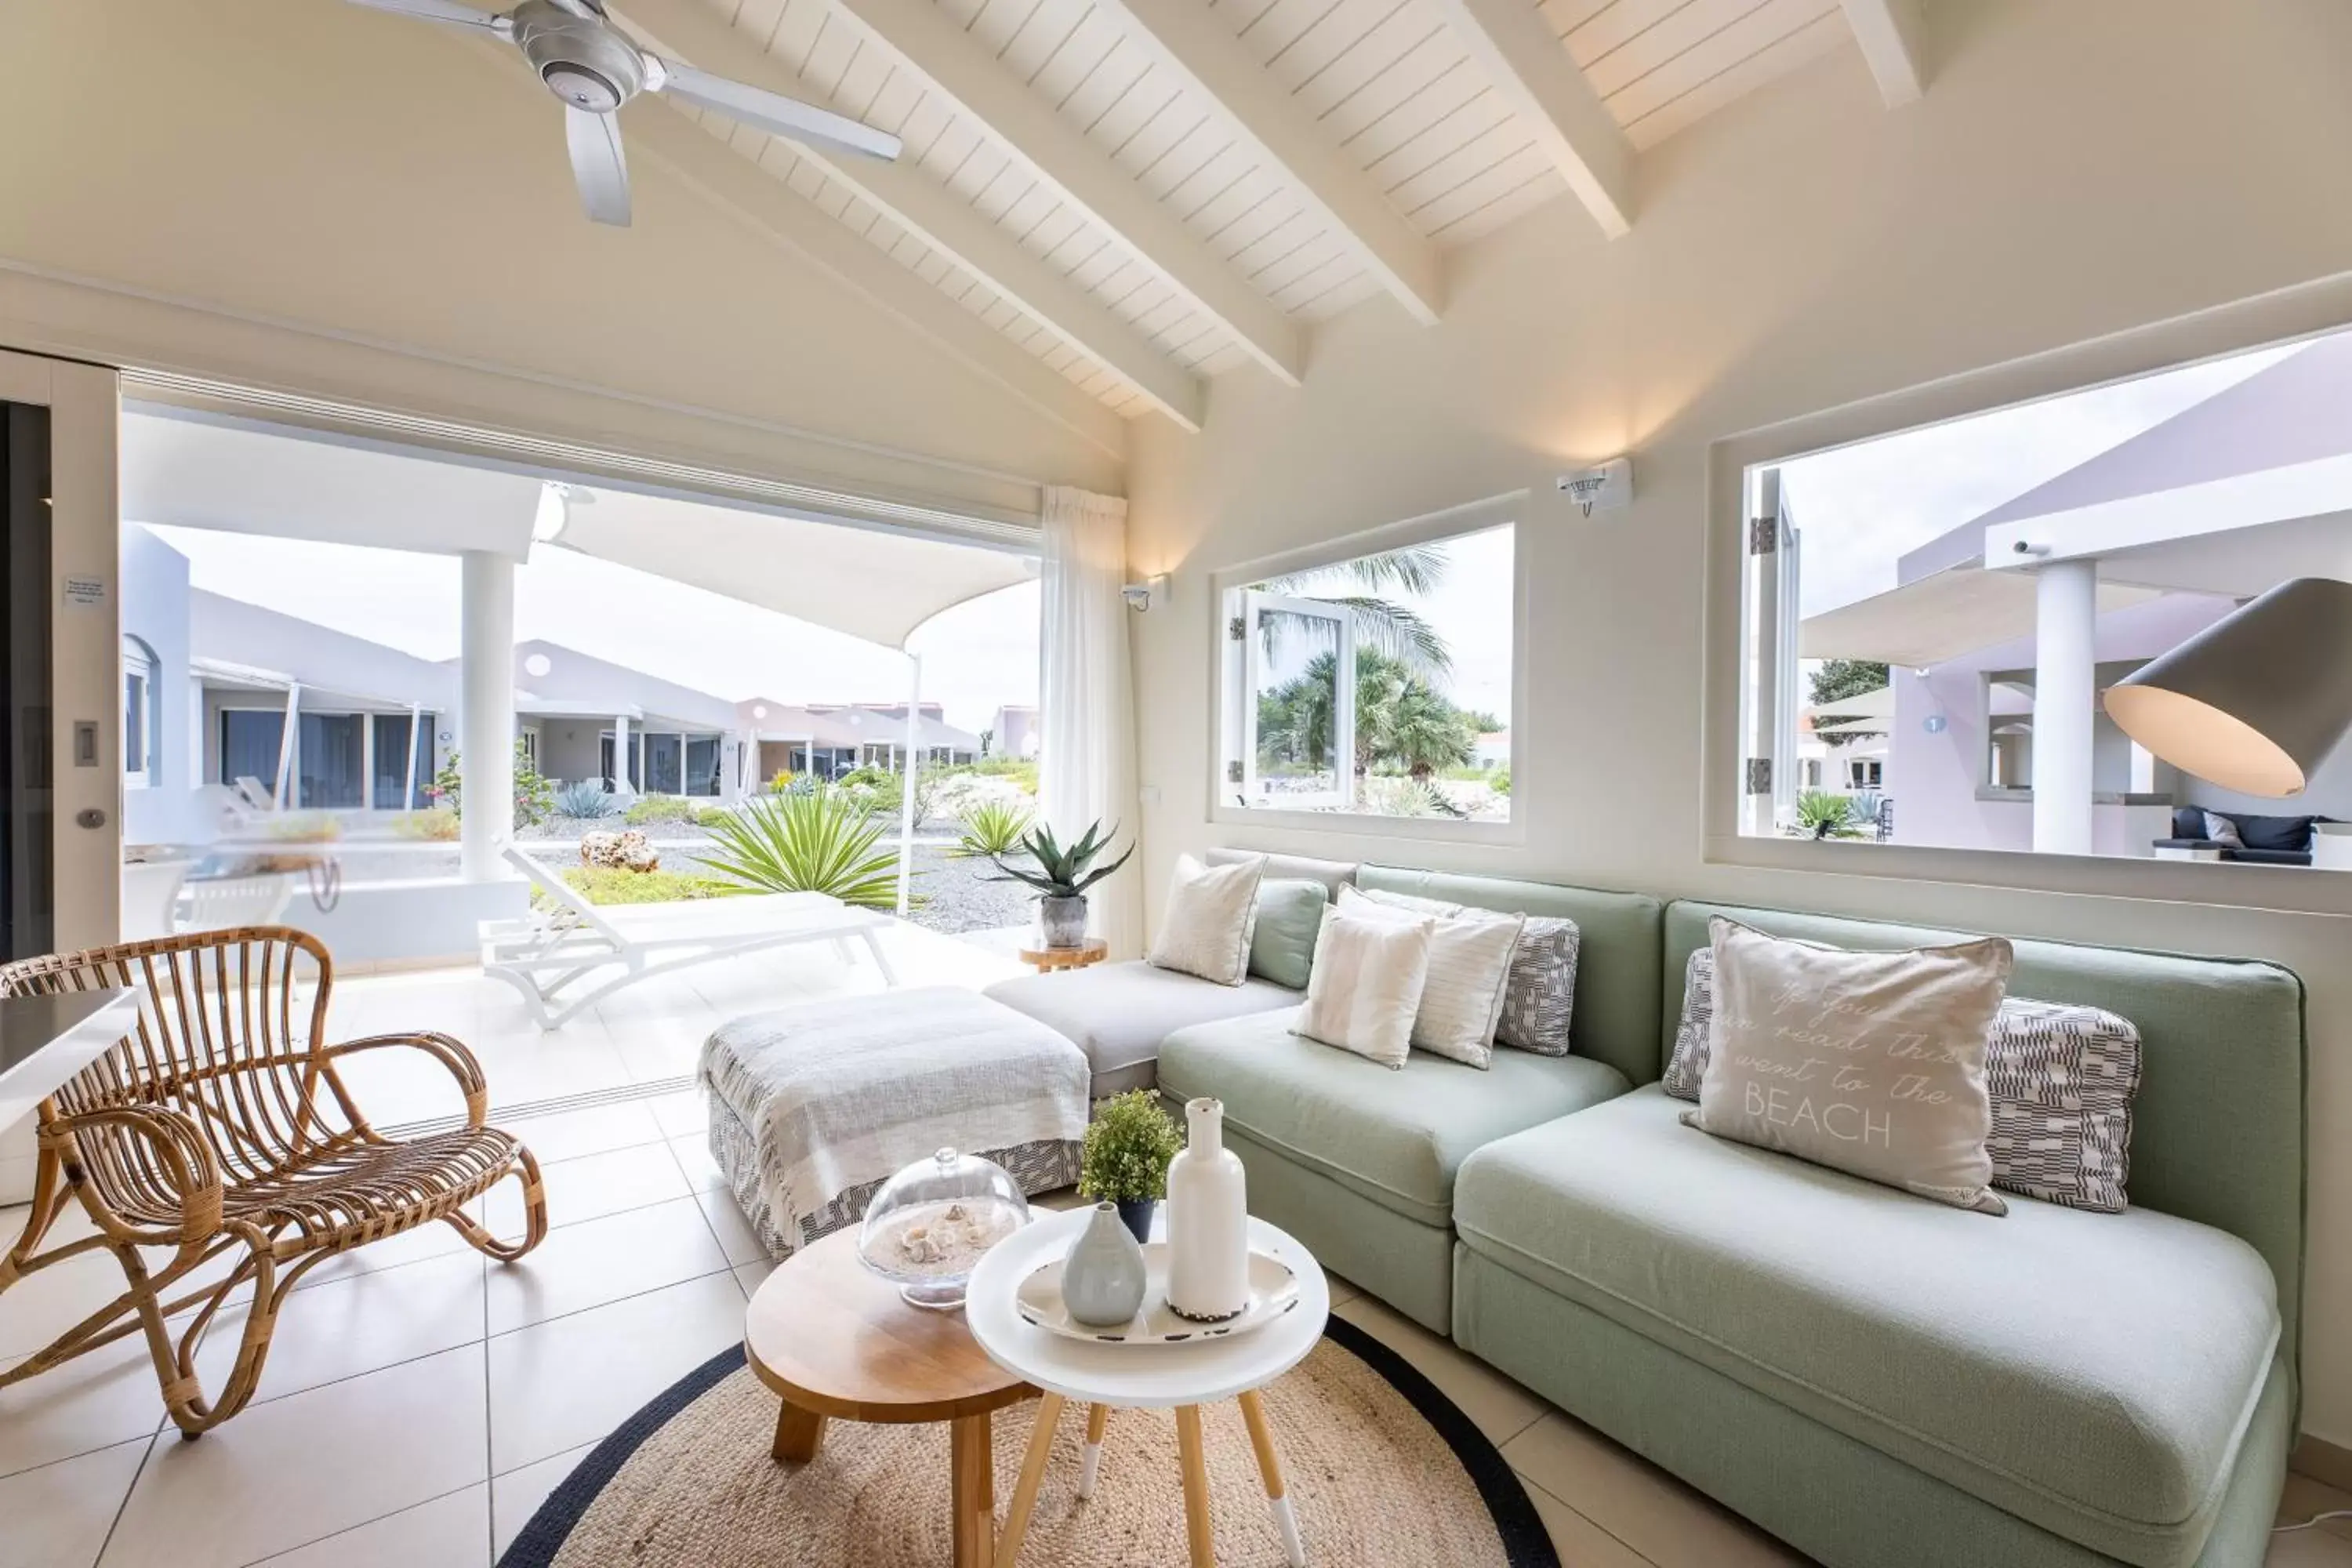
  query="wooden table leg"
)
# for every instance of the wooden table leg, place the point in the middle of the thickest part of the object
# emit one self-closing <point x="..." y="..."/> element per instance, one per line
<point x="1198" y="1533"/>
<point x="1091" y="1458"/>
<point x="1285" y="1517"/>
<point x="798" y="1433"/>
<point x="969" y="1488"/>
<point x="1033" y="1472"/>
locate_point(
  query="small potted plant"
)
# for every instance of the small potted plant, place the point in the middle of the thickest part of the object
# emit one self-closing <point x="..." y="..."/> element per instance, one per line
<point x="1062" y="879"/>
<point x="1125" y="1162"/>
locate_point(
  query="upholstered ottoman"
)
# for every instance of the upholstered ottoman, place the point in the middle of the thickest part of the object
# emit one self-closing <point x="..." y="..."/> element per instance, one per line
<point x="815" y="1107"/>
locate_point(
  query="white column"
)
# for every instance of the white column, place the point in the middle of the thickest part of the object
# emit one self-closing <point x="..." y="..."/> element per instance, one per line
<point x="620" y="753"/>
<point x="2065" y="678"/>
<point x="289" y="741"/>
<point x="416" y="742"/>
<point x="486" y="731"/>
<point x="906" y="784"/>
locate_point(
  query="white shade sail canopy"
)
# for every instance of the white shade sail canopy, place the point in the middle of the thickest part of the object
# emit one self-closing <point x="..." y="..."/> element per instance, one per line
<point x="868" y="582"/>
<point x="194" y="472"/>
<point x="243" y="476"/>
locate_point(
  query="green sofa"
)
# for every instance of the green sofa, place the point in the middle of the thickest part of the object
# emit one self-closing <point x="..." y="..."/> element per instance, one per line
<point x="1358" y="1161"/>
<point x="1877" y="1379"/>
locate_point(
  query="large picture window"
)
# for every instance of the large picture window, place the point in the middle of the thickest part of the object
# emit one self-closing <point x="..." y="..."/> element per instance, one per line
<point x="1943" y="629"/>
<point x="1381" y="684"/>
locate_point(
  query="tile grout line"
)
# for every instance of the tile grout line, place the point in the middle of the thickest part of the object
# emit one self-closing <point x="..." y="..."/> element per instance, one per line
<point x="1538" y="1485"/>
<point x="489" y="1424"/>
<point x="362" y="1524"/>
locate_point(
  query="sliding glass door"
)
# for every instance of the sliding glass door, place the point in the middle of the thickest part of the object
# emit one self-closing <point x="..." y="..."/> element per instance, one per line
<point x="27" y="812"/>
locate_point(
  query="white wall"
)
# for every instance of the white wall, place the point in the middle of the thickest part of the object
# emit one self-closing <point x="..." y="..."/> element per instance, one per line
<point x="311" y="196"/>
<point x="155" y="611"/>
<point x="2074" y="170"/>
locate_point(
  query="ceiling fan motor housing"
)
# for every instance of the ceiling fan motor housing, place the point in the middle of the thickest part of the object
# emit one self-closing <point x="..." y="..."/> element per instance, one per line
<point x="583" y="61"/>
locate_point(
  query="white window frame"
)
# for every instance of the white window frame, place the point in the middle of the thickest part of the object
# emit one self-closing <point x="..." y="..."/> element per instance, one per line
<point x="1233" y="710"/>
<point x="2270" y="320"/>
<point x="1250" y="651"/>
<point x="138" y="660"/>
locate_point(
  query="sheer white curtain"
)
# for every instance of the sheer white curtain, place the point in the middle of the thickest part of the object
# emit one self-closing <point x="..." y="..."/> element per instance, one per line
<point x="1085" y="697"/>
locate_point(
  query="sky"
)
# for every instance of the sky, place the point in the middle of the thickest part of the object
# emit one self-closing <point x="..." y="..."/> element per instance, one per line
<point x="977" y="658"/>
<point x="1861" y="507"/>
<point x="1470" y="608"/>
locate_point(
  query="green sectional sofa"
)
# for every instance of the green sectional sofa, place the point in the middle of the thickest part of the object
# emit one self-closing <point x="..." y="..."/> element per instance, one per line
<point x="1358" y="1161"/>
<point x="1875" y="1379"/>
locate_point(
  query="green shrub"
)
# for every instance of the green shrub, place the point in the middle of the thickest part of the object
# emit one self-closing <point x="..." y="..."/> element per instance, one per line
<point x="659" y="808"/>
<point x="1501" y="782"/>
<point x="1127" y="1148"/>
<point x="1021" y="771"/>
<point x="618" y="885"/>
<point x="824" y="842"/>
<point x="992" y="827"/>
<point x="712" y="816"/>
<point x="534" y="796"/>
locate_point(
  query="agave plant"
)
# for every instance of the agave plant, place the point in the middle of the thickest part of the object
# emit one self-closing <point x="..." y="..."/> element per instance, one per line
<point x="1824" y="815"/>
<point x="584" y="798"/>
<point x="822" y="842"/>
<point x="991" y="828"/>
<point x="1062" y="873"/>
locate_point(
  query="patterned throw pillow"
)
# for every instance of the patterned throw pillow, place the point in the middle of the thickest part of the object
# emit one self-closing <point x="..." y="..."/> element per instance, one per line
<point x="1541" y="992"/>
<point x="2061" y="1077"/>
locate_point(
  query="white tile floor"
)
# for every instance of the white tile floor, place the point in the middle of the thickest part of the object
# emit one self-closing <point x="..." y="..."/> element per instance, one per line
<point x="419" y="1403"/>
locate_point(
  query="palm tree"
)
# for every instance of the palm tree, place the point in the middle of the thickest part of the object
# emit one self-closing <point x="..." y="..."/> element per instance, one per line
<point x="1382" y="624"/>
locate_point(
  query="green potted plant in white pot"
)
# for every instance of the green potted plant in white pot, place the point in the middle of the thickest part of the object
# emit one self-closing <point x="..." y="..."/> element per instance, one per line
<point x="1125" y="1160"/>
<point x="1062" y="877"/>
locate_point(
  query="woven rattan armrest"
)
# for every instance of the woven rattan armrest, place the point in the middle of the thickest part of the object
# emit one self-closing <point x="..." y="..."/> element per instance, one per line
<point x="450" y="1052"/>
<point x="179" y="1164"/>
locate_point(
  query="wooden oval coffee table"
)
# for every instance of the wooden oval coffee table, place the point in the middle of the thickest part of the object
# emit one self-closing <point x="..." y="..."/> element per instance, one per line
<point x="837" y="1343"/>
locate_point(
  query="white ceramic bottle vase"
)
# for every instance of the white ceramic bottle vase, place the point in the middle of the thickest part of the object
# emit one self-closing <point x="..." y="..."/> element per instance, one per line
<point x="1208" y="1221"/>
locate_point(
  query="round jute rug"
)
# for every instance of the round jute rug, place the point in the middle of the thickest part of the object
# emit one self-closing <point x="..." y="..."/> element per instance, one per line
<point x="1383" y="1468"/>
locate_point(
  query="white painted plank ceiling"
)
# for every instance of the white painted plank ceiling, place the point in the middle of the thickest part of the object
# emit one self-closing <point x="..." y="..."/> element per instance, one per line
<point x="1386" y="79"/>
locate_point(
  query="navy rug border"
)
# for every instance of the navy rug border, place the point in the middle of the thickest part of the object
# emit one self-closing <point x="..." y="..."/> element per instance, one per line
<point x="1526" y="1543"/>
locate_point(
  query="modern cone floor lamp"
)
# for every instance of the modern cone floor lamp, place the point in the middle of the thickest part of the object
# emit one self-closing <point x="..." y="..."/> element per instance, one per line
<point x="2254" y="701"/>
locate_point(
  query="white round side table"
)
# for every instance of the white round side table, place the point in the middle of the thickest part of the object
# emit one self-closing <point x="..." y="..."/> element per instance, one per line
<point x="1108" y="1376"/>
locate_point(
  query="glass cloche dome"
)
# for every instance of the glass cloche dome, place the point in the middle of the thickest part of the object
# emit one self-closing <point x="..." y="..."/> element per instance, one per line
<point x="928" y="1226"/>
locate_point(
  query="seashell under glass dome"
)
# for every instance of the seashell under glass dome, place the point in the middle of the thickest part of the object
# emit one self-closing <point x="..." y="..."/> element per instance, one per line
<point x="929" y="1225"/>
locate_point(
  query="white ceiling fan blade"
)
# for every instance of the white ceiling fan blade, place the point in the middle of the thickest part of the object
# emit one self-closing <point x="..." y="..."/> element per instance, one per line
<point x="447" y="11"/>
<point x="773" y="112"/>
<point x="598" y="164"/>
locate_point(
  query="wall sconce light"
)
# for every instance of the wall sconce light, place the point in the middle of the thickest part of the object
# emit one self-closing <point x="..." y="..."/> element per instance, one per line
<point x="1141" y="596"/>
<point x="1604" y="489"/>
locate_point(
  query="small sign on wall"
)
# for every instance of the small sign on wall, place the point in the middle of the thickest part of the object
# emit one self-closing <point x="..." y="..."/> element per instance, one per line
<point x="85" y="592"/>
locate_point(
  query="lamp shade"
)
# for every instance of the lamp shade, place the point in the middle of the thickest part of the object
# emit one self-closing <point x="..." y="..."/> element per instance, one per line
<point x="2254" y="701"/>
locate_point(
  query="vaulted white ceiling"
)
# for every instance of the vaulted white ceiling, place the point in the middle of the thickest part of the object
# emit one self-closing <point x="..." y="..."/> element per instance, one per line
<point x="1146" y="194"/>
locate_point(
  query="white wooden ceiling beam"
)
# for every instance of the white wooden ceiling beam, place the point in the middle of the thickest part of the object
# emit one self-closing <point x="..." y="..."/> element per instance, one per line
<point x="1529" y="66"/>
<point x="1185" y="38"/>
<point x="658" y="136"/>
<point x="963" y="72"/>
<point x="937" y="216"/>
<point x="1892" y="36"/>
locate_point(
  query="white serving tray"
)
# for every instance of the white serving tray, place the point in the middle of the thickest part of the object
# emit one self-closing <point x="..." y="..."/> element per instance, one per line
<point x="1274" y="1292"/>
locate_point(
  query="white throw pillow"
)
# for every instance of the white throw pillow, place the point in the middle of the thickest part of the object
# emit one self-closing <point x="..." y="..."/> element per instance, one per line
<point x="1871" y="1063"/>
<point x="1366" y="985"/>
<point x="1469" y="971"/>
<point x="1212" y="911"/>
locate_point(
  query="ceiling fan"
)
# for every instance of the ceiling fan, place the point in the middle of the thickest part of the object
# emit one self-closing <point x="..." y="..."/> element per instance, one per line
<point x="593" y="68"/>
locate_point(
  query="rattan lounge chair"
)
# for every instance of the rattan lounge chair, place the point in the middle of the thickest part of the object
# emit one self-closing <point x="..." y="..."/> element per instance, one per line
<point x="222" y="1127"/>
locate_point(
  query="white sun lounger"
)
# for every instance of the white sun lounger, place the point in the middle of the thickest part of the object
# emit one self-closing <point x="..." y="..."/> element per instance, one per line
<point x="550" y="956"/>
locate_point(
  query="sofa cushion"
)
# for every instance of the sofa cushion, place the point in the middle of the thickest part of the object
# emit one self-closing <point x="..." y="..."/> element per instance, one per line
<point x="2093" y="1374"/>
<point x="1393" y="1135"/>
<point x="1118" y="1013"/>
<point x="2291" y="834"/>
<point x="1289" y="916"/>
